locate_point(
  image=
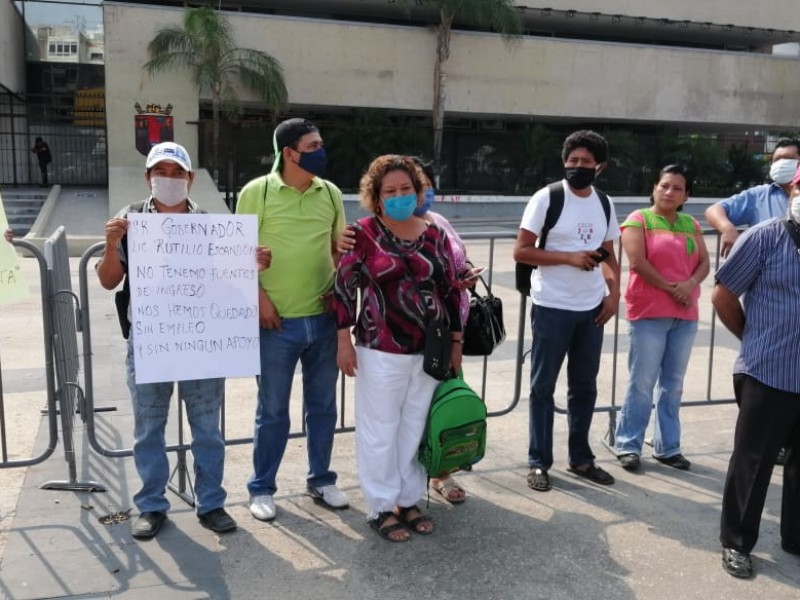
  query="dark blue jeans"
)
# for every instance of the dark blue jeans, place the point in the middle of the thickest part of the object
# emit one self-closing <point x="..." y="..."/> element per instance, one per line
<point x="558" y="334"/>
<point x="311" y="341"/>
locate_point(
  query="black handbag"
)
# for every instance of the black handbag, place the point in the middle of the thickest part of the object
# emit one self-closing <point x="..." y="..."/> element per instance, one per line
<point x="484" y="329"/>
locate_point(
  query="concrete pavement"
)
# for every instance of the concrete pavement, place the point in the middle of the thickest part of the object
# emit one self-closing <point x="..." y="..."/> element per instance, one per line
<point x="652" y="535"/>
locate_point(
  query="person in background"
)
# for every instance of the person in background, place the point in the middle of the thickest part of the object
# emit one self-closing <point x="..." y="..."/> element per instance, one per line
<point x="402" y="269"/>
<point x="300" y="217"/>
<point x="759" y="203"/>
<point x="763" y="269"/>
<point x="169" y="177"/>
<point x="668" y="261"/>
<point x="42" y="152"/>
<point x="572" y="299"/>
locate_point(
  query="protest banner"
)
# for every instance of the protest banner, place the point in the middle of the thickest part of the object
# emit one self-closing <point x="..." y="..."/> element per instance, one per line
<point x="13" y="284"/>
<point x="194" y="296"/>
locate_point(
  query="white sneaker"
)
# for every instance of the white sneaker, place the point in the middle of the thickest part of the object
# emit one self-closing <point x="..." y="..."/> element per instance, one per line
<point x="262" y="507"/>
<point x="330" y="495"/>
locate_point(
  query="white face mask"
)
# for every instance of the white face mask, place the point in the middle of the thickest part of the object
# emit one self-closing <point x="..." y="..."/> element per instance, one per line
<point x="782" y="170"/>
<point x="169" y="191"/>
<point x="795" y="209"/>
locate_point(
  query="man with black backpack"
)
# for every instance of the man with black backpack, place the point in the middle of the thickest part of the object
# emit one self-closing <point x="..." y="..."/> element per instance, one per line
<point x="169" y="175"/>
<point x="572" y="300"/>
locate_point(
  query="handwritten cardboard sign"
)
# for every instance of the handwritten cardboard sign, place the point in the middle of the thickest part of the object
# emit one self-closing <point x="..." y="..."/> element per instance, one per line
<point x="194" y="296"/>
<point x="13" y="284"/>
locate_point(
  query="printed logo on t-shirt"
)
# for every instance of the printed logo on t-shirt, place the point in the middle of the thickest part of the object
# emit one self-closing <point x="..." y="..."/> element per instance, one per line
<point x="585" y="232"/>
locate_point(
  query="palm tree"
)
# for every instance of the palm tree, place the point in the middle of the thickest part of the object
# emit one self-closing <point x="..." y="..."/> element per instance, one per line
<point x="204" y="46"/>
<point x="499" y="15"/>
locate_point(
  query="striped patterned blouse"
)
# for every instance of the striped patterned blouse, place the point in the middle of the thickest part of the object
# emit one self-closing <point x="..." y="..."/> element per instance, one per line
<point x="764" y="266"/>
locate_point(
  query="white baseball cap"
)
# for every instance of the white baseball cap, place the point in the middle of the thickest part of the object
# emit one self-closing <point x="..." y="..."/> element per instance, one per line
<point x="169" y="151"/>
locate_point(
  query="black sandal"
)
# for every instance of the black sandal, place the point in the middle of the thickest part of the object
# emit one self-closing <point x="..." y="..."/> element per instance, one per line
<point x="385" y="531"/>
<point x="538" y="479"/>
<point x="415" y="523"/>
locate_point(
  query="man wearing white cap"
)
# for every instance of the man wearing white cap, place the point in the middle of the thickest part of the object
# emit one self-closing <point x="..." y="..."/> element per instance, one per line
<point x="300" y="217"/>
<point x="169" y="177"/>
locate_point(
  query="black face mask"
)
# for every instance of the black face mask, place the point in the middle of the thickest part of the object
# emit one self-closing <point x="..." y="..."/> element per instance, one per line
<point x="579" y="178"/>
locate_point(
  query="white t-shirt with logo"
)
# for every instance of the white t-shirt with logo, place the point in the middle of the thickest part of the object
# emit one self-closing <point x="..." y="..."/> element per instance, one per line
<point x="581" y="226"/>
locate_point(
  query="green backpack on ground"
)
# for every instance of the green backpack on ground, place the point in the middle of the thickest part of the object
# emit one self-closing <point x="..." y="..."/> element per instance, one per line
<point x="455" y="433"/>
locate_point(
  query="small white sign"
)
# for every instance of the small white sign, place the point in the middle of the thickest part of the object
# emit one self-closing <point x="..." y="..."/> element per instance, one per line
<point x="13" y="284"/>
<point x="194" y="296"/>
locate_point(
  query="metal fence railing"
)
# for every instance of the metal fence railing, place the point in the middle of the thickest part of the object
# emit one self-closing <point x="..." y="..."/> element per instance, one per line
<point x="484" y="248"/>
<point x="64" y="303"/>
<point x="50" y="388"/>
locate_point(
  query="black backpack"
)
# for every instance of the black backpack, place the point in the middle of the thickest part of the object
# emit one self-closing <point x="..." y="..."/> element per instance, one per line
<point x="523" y="271"/>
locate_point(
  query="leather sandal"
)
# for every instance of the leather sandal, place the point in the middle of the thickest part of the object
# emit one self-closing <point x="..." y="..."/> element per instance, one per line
<point x="446" y="486"/>
<point x="385" y="531"/>
<point x="538" y="480"/>
<point x="416" y="524"/>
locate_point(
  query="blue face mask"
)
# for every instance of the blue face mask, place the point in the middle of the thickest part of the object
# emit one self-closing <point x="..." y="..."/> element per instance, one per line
<point x="400" y="208"/>
<point x="426" y="204"/>
<point x="313" y="162"/>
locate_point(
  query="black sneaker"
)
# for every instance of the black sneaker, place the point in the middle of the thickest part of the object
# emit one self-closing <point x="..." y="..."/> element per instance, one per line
<point x="676" y="462"/>
<point x="148" y="524"/>
<point x="781" y="460"/>
<point x="629" y="461"/>
<point x="217" y="520"/>
<point x="737" y="563"/>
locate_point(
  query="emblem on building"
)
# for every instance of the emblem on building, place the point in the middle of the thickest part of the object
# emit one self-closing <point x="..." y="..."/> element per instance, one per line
<point x="153" y="125"/>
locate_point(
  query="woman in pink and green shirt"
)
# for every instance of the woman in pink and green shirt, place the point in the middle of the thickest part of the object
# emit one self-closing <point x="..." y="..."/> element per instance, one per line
<point x="668" y="260"/>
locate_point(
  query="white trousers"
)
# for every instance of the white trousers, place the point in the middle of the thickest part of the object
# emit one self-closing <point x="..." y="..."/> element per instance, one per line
<point x="393" y="395"/>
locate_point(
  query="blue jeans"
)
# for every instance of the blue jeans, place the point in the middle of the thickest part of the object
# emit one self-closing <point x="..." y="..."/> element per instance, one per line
<point x="558" y="334"/>
<point x="151" y="402"/>
<point x="659" y="353"/>
<point x="312" y="341"/>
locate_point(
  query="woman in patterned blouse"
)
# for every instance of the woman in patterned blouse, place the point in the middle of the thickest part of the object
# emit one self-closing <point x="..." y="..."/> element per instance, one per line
<point x="400" y="271"/>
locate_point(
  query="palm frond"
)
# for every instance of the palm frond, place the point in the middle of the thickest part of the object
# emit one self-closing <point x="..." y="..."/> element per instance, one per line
<point x="264" y="75"/>
<point x="170" y="48"/>
<point x="211" y="29"/>
<point x="167" y="61"/>
<point x="501" y="16"/>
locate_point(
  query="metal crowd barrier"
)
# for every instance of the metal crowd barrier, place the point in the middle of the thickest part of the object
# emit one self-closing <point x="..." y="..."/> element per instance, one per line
<point x="523" y="336"/>
<point x="522" y="344"/>
<point x="50" y="387"/>
<point x="64" y="304"/>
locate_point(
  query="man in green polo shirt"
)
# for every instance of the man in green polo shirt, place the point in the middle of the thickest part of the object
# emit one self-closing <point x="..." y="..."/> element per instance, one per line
<point x="300" y="216"/>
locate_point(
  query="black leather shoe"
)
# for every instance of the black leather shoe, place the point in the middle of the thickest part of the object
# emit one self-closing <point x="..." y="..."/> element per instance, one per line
<point x="737" y="563"/>
<point x="593" y="473"/>
<point x="781" y="460"/>
<point x="217" y="520"/>
<point x="676" y="462"/>
<point x="629" y="461"/>
<point x="147" y="525"/>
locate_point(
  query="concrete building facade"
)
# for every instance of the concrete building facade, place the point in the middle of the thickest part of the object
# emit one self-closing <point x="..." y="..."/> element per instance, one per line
<point x="707" y="65"/>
